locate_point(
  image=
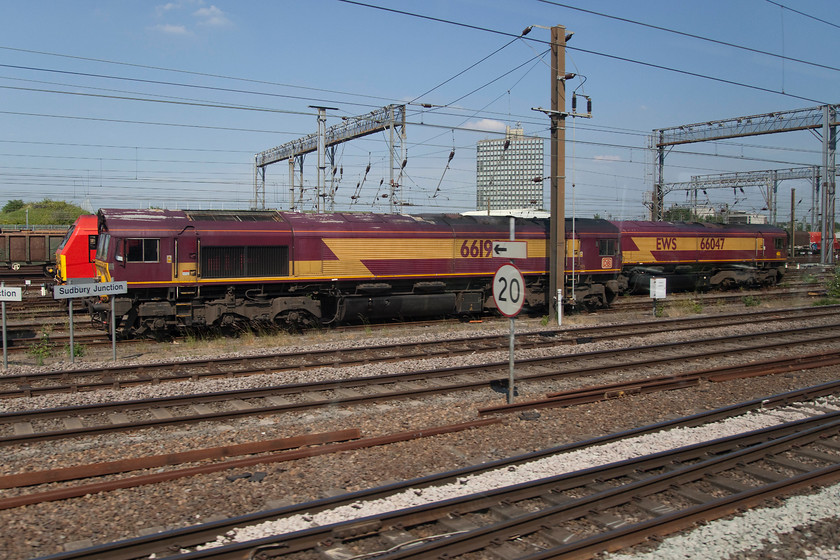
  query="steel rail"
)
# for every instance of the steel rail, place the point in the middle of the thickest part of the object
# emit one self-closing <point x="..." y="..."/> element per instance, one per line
<point x="295" y="388"/>
<point x="176" y="539"/>
<point x="277" y="457"/>
<point x="709" y="458"/>
<point x="109" y="376"/>
<point x="457" y="373"/>
<point x="470" y="541"/>
<point x="680" y="381"/>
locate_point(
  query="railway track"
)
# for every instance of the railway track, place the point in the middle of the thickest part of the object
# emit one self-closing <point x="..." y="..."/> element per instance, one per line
<point x="28" y="426"/>
<point x="585" y="513"/>
<point x="30" y="321"/>
<point x="120" y="376"/>
<point x="628" y="303"/>
<point x="575" y="514"/>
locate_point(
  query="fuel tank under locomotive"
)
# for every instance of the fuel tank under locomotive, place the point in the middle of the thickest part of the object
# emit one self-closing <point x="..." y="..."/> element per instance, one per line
<point x="423" y="299"/>
<point x="408" y="306"/>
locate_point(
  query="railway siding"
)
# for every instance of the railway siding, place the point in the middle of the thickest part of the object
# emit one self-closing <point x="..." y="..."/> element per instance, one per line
<point x="253" y="490"/>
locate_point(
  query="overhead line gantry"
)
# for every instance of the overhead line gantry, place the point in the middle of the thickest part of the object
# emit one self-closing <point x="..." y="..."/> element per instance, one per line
<point x="389" y="117"/>
<point x="823" y="118"/>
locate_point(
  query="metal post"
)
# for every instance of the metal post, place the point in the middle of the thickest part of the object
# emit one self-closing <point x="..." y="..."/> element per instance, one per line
<point x="322" y="145"/>
<point x="792" y="248"/>
<point x="5" y="343"/>
<point x="829" y="182"/>
<point x="826" y="216"/>
<point x="658" y="187"/>
<point x="391" y="156"/>
<point x="815" y="198"/>
<point x="511" y="377"/>
<point x="331" y="157"/>
<point x="322" y="125"/>
<point x="113" y="331"/>
<point x="511" y="381"/>
<point x="559" y="307"/>
<point x="292" y="183"/>
<point x="300" y="164"/>
<point x="259" y="187"/>
<point x="72" y="344"/>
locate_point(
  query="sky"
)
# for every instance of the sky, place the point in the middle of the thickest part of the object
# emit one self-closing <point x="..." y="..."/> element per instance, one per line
<point x="129" y="104"/>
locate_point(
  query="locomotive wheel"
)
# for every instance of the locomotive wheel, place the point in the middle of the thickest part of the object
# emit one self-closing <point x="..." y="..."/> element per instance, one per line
<point x="594" y="303"/>
<point x="296" y="321"/>
<point x="728" y="284"/>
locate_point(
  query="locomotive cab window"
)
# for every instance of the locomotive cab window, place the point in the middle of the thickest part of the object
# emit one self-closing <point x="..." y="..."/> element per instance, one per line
<point x="67" y="238"/>
<point x="780" y="243"/>
<point x="102" y="247"/>
<point x="606" y="247"/>
<point x="142" y="250"/>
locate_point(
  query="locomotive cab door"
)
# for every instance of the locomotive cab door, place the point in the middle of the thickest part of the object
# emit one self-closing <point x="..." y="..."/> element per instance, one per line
<point x="759" y="248"/>
<point x="185" y="265"/>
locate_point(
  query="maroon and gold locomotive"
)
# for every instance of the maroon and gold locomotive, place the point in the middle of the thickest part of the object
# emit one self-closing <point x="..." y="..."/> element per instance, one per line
<point x="198" y="268"/>
<point x="698" y="256"/>
<point x="218" y="268"/>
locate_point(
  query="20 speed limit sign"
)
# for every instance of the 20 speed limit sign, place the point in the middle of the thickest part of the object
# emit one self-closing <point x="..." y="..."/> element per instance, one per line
<point x="508" y="290"/>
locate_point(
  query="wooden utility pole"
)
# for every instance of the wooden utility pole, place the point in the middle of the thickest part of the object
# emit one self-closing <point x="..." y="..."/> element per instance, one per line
<point x="557" y="237"/>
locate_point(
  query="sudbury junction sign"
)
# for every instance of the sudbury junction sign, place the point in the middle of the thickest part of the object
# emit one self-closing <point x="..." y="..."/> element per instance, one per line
<point x="90" y="289"/>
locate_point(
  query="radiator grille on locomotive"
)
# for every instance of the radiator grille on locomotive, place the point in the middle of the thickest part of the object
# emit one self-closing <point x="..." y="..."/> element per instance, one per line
<point x="233" y="216"/>
<point x="244" y="262"/>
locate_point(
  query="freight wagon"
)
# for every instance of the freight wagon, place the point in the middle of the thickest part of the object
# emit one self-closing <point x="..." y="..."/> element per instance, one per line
<point x="29" y="251"/>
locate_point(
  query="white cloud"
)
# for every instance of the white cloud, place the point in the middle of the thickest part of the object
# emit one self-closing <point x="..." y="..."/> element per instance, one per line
<point x="177" y="5"/>
<point x="202" y="16"/>
<point x="169" y="29"/>
<point x="489" y="125"/>
<point x="212" y="16"/>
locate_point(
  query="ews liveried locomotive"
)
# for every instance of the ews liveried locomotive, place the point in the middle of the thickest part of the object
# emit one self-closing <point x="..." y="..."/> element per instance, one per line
<point x="219" y="268"/>
<point x="697" y="256"/>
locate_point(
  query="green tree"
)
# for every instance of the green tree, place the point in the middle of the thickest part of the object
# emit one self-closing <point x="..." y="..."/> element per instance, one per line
<point x="13" y="205"/>
<point x="45" y="212"/>
<point x="678" y="214"/>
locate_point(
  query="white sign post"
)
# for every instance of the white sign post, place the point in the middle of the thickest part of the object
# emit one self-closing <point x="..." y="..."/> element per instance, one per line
<point x="7" y="294"/>
<point x="90" y="289"/>
<point x="657" y="291"/>
<point x="509" y="295"/>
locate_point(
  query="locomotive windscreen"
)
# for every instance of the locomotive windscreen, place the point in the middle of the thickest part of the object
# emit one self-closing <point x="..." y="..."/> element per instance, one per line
<point x="244" y="262"/>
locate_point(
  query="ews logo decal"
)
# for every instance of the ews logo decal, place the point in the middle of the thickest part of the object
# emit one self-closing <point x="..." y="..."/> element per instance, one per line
<point x="666" y="243"/>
